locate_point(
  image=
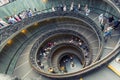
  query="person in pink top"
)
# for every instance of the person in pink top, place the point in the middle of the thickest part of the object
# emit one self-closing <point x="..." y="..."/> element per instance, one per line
<point x="17" y="18"/>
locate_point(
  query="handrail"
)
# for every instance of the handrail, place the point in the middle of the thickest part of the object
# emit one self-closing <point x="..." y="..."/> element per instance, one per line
<point x="70" y="13"/>
<point x="96" y="29"/>
<point x="70" y="32"/>
<point x="67" y="44"/>
<point x="86" y="69"/>
<point x="117" y="49"/>
<point x="113" y="52"/>
<point x="40" y="40"/>
<point x="80" y="16"/>
<point x="11" y="29"/>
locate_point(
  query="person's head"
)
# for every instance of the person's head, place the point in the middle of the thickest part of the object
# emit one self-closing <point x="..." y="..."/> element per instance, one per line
<point x="79" y="5"/>
<point x="29" y="8"/>
<point x="86" y="5"/>
<point x="6" y="17"/>
<point x="101" y="15"/>
<point x="35" y="9"/>
<point x="10" y="17"/>
<point x="111" y="16"/>
<point x="15" y="15"/>
<point x="72" y="3"/>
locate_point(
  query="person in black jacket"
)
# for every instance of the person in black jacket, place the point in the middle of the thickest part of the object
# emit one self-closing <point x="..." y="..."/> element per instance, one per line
<point x="111" y="19"/>
<point x="116" y="24"/>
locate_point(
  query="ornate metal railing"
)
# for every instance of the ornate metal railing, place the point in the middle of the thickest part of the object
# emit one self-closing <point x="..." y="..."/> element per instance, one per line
<point x="8" y="31"/>
<point x="72" y="15"/>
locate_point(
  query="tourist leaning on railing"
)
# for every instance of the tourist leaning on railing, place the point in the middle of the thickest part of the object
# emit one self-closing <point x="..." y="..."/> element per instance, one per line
<point x="87" y="10"/>
<point x="79" y="7"/>
<point x="64" y="8"/>
<point x="72" y="6"/>
<point x="29" y="13"/>
<point x="53" y="8"/>
<point x="17" y="18"/>
<point x="11" y="20"/>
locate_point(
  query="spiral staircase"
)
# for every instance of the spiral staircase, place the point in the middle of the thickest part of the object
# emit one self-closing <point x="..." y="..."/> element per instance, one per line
<point x="21" y="44"/>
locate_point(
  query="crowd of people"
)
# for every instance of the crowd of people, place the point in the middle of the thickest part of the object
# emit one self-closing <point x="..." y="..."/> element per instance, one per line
<point x="22" y="15"/>
<point x="43" y="56"/>
<point x="112" y="23"/>
<point x="108" y="25"/>
<point x="17" y="17"/>
<point x="73" y="7"/>
<point x="44" y="52"/>
<point x="81" y="44"/>
<point x="64" y="61"/>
